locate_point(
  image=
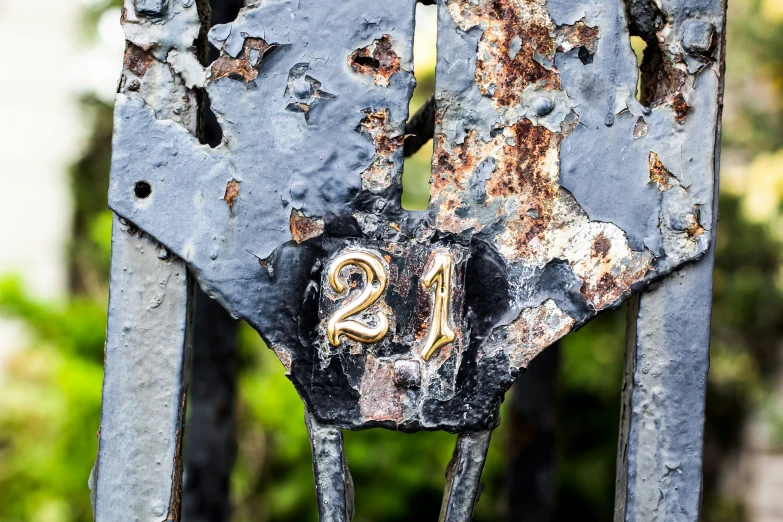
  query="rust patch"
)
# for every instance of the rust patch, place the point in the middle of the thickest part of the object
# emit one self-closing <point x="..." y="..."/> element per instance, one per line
<point x="380" y="398"/>
<point x="568" y="37"/>
<point x="378" y="60"/>
<point x="540" y="220"/>
<point x="517" y="35"/>
<point x="303" y="227"/>
<point x="659" y="174"/>
<point x="601" y="246"/>
<point x="244" y="68"/>
<point x="681" y="109"/>
<point x="232" y="192"/>
<point x="375" y="126"/>
<point x="137" y="60"/>
<point x="535" y="329"/>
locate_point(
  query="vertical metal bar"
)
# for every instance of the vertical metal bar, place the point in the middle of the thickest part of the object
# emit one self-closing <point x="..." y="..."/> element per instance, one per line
<point x="333" y="483"/>
<point x="210" y="437"/>
<point x="660" y="456"/>
<point x="137" y="474"/>
<point x="138" y="464"/>
<point x="659" y="459"/>
<point x="463" y="477"/>
<point x="531" y="440"/>
<point x="210" y="442"/>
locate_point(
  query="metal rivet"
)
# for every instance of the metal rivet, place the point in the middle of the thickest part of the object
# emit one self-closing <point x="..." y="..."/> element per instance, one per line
<point x="543" y="106"/>
<point x="697" y="36"/>
<point x="407" y="373"/>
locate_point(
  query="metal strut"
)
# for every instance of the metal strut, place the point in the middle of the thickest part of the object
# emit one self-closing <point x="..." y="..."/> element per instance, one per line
<point x="333" y="482"/>
<point x="463" y="477"/>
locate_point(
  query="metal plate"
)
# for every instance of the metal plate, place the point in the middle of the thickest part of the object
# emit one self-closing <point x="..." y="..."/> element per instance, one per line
<point x="562" y="192"/>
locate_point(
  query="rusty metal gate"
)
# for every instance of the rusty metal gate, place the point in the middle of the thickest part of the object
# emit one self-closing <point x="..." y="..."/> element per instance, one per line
<point x="557" y="192"/>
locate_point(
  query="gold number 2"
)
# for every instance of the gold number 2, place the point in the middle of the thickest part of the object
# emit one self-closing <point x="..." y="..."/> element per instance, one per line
<point x="439" y="275"/>
<point x="374" y="285"/>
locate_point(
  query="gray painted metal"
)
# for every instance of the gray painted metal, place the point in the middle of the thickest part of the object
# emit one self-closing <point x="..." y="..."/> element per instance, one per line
<point x="138" y="466"/>
<point x="659" y="460"/>
<point x="463" y="477"/>
<point x="333" y="483"/>
<point x="138" y="469"/>
<point x="660" y="450"/>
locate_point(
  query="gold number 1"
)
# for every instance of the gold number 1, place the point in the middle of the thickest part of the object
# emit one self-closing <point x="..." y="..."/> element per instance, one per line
<point x="441" y="333"/>
<point x="374" y="286"/>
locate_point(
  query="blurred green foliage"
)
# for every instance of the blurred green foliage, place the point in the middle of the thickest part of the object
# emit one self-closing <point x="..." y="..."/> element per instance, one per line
<point x="50" y="399"/>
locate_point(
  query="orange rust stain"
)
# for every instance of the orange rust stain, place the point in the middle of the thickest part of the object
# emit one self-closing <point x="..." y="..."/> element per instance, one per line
<point x="579" y="34"/>
<point x="232" y="192"/>
<point x="378" y="60"/>
<point x="241" y="68"/>
<point x="528" y="23"/>
<point x="534" y="330"/>
<point x="601" y="246"/>
<point x="659" y="174"/>
<point x="303" y="227"/>
<point x="681" y="109"/>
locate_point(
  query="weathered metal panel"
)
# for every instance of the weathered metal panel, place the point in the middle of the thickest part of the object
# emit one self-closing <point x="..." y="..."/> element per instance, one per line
<point x="556" y="194"/>
<point x="137" y="473"/>
<point x="568" y="193"/>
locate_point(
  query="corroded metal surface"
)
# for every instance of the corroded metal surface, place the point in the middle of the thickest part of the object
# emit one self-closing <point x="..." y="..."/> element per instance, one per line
<point x="565" y="193"/>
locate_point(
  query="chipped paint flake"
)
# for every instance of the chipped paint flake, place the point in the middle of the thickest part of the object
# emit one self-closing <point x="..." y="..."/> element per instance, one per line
<point x="378" y="60"/>
<point x="535" y="329"/>
<point x="304" y="228"/>
<point x="232" y="192"/>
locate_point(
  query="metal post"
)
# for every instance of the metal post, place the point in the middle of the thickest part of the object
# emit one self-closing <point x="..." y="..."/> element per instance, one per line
<point x="463" y="477"/>
<point x="137" y="475"/>
<point x="333" y="483"/>
<point x="531" y="440"/>
<point x="210" y="438"/>
<point x="659" y="459"/>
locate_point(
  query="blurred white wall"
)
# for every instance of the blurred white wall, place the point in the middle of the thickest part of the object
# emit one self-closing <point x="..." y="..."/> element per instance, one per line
<point x="47" y="65"/>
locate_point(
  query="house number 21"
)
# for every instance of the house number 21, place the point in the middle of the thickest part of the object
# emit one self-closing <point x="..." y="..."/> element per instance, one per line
<point x="437" y="279"/>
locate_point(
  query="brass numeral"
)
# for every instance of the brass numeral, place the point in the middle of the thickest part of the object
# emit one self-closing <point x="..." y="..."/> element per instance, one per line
<point x="375" y="282"/>
<point x="441" y="332"/>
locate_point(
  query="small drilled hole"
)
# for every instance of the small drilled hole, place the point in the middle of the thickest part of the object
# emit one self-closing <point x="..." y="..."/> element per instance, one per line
<point x="142" y="190"/>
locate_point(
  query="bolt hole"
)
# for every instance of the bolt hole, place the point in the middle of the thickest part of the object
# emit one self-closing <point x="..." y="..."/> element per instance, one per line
<point x="367" y="61"/>
<point x="142" y="190"/>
